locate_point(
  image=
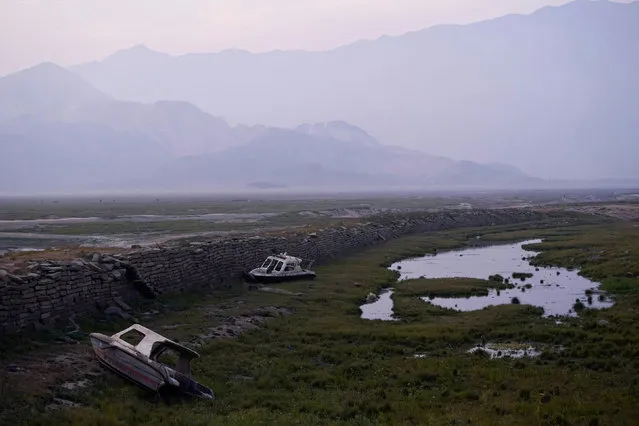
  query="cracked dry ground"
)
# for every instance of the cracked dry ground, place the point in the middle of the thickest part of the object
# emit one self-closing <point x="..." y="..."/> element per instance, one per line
<point x="69" y="366"/>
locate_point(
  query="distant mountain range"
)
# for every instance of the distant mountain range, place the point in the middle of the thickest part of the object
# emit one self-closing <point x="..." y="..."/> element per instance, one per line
<point x="553" y="93"/>
<point x="58" y="133"/>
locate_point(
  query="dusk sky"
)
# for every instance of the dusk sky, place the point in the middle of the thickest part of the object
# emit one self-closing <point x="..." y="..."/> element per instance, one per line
<point x="69" y="32"/>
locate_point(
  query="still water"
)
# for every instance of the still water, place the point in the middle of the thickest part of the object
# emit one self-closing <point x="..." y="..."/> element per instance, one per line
<point x="554" y="289"/>
<point x="381" y="309"/>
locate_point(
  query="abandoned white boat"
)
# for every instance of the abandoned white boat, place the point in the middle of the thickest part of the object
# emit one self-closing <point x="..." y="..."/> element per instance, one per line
<point x="281" y="267"/>
<point x="147" y="363"/>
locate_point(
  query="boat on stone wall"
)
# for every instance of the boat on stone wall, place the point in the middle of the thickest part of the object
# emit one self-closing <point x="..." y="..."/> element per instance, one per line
<point x="280" y="267"/>
<point x="155" y="363"/>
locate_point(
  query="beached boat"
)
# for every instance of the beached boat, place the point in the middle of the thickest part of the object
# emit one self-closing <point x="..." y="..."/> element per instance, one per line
<point x="147" y="363"/>
<point x="281" y="267"/>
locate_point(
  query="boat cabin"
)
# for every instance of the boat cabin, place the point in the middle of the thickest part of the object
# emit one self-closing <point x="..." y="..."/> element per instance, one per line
<point x="157" y="348"/>
<point x="282" y="263"/>
<point x="151" y="361"/>
<point x="280" y="267"/>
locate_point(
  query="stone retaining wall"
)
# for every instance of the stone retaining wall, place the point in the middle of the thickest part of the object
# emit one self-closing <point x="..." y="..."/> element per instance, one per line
<point x="55" y="290"/>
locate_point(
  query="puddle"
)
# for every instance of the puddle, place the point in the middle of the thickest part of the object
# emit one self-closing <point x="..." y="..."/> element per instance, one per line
<point x="25" y="249"/>
<point x="553" y="289"/>
<point x="497" y="351"/>
<point x="5" y="250"/>
<point x="381" y="309"/>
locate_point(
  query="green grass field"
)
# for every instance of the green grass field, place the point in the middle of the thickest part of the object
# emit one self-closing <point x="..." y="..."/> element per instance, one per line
<point x="325" y="365"/>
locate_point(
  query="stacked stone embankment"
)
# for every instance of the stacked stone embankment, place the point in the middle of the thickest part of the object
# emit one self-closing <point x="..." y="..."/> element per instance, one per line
<point x="58" y="290"/>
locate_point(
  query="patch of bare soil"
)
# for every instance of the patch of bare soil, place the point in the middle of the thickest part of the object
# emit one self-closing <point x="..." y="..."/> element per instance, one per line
<point x="235" y="326"/>
<point x="616" y="211"/>
<point x="40" y="374"/>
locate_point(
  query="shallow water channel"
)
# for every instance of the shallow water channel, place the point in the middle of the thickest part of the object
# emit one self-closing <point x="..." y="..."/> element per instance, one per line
<point x="381" y="309"/>
<point x="554" y="289"/>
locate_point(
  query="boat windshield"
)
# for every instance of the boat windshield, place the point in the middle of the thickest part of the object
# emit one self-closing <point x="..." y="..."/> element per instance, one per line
<point x="279" y="265"/>
<point x="267" y="262"/>
<point x="173" y="358"/>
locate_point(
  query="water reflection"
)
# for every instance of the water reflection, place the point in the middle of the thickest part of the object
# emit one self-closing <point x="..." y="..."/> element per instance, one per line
<point x="556" y="290"/>
<point x="381" y="309"/>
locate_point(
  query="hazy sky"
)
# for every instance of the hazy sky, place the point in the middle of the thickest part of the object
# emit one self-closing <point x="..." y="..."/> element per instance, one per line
<point x="68" y="32"/>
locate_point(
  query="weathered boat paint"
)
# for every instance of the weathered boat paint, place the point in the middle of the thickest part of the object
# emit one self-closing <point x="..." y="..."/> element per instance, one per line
<point x="278" y="268"/>
<point x="140" y="363"/>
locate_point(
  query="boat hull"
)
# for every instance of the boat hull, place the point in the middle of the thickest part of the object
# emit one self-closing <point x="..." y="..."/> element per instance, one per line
<point x="127" y="365"/>
<point x="267" y="278"/>
<point x="139" y="369"/>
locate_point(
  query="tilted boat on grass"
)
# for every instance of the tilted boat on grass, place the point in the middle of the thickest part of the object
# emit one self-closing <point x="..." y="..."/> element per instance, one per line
<point x="281" y="267"/>
<point x="147" y="363"/>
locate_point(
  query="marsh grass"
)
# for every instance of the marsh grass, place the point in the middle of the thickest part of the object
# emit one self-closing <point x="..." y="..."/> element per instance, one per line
<point x="325" y="365"/>
<point x="447" y="287"/>
<point x="521" y="275"/>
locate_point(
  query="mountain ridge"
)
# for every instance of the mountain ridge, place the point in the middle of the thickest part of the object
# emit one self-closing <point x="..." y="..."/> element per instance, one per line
<point x="509" y="16"/>
<point x="557" y="80"/>
<point x="112" y="143"/>
<point x="108" y="143"/>
<point x="44" y="87"/>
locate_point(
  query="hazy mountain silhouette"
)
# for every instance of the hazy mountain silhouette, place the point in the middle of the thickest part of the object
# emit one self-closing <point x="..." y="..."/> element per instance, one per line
<point x="61" y="157"/>
<point x="75" y="137"/>
<point x="288" y="158"/>
<point x="42" y="89"/>
<point x="554" y="93"/>
<point x="53" y="94"/>
<point x="338" y="130"/>
<point x="179" y="127"/>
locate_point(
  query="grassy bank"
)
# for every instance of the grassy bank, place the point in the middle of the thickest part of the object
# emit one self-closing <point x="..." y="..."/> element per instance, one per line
<point x="324" y="365"/>
<point x="448" y="287"/>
